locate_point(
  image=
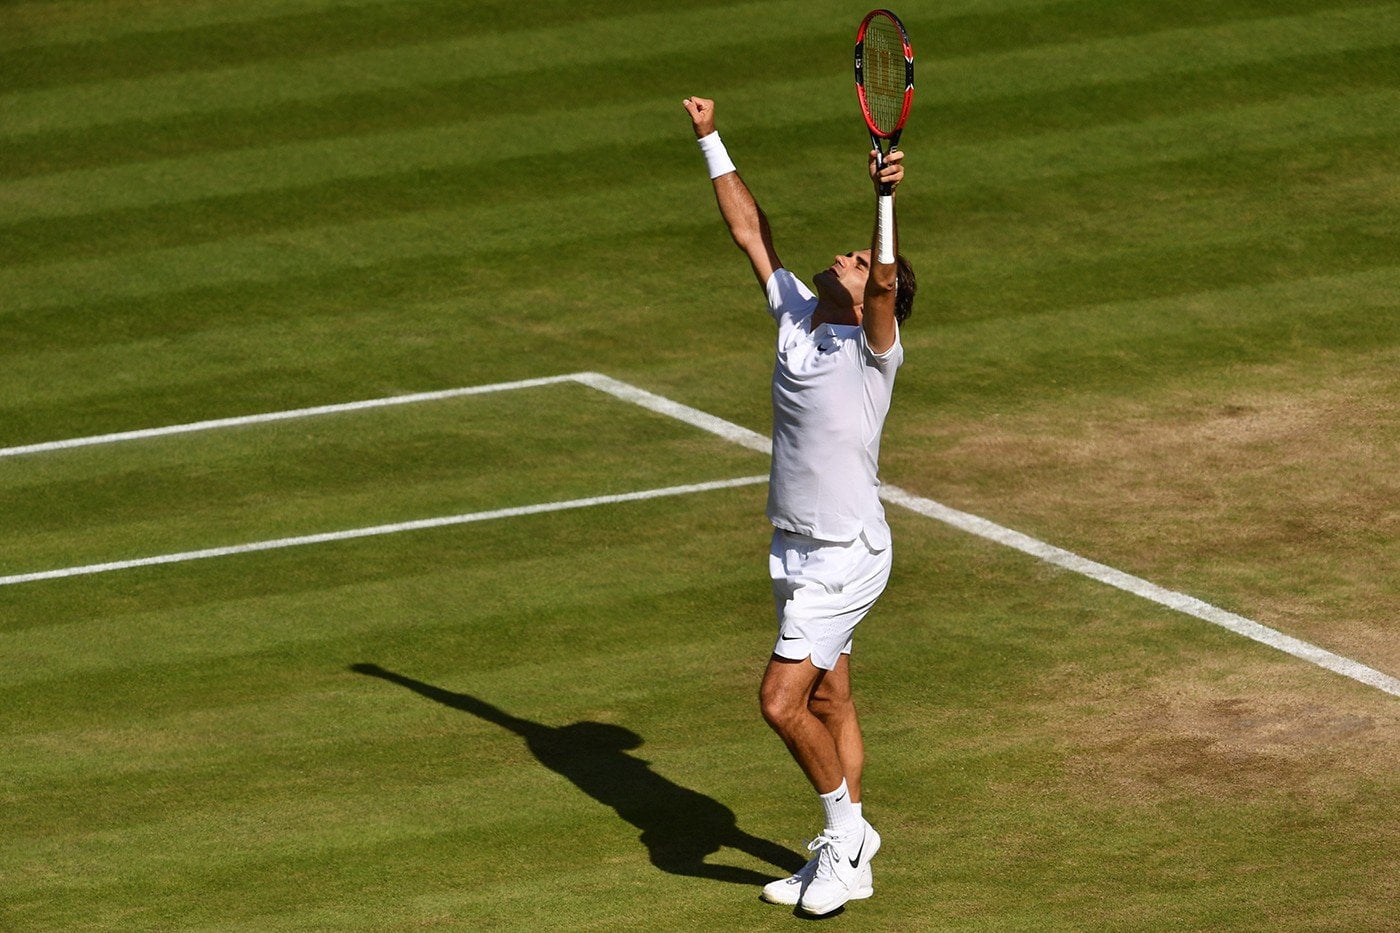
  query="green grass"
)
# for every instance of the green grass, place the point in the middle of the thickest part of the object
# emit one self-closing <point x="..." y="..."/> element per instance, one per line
<point x="1156" y="325"/>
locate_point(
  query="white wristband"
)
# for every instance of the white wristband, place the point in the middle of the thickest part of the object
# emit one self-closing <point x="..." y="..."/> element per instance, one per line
<point x="716" y="157"/>
<point x="884" y="226"/>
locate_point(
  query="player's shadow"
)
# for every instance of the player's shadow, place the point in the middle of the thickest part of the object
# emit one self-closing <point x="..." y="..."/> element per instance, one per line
<point x="680" y="827"/>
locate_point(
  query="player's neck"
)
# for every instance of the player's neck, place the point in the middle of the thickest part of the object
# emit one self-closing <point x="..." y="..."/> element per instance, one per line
<point x="830" y="312"/>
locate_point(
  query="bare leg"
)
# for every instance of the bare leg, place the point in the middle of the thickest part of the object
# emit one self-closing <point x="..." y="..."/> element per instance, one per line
<point x="831" y="704"/>
<point x="784" y="697"/>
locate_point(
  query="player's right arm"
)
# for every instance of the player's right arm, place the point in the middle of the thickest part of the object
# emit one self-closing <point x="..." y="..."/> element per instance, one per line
<point x="746" y="221"/>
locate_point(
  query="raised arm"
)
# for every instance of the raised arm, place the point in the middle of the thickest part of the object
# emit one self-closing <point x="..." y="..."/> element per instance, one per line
<point x="747" y="223"/>
<point x="462" y="701"/>
<point x="878" y="319"/>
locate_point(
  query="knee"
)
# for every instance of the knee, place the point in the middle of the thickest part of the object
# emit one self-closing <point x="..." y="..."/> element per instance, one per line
<point x="780" y="709"/>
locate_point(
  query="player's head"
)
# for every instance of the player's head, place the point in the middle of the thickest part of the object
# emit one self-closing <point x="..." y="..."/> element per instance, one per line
<point x="844" y="282"/>
<point x="599" y="736"/>
<point x="905" y="287"/>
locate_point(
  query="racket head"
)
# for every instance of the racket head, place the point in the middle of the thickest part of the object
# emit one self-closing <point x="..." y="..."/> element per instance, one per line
<point x="884" y="65"/>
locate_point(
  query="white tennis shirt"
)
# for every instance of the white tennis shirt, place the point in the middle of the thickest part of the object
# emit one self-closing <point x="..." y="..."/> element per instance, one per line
<point x="831" y="393"/>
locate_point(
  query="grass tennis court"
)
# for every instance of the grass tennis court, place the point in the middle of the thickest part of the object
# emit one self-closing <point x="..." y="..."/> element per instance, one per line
<point x="1157" y="326"/>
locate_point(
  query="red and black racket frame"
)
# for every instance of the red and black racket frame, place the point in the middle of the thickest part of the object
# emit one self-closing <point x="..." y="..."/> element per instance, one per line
<point x="875" y="133"/>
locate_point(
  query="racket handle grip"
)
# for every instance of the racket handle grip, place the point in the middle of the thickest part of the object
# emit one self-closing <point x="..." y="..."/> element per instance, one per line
<point x="884" y="228"/>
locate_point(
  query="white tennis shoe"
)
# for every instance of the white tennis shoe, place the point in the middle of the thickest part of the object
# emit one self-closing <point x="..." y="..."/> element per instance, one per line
<point x="788" y="891"/>
<point x="842" y="863"/>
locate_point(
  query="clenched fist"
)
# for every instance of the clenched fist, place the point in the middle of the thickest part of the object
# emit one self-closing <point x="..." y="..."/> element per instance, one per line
<point x="702" y="115"/>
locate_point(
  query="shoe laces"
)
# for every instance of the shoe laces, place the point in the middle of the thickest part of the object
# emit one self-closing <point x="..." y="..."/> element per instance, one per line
<point x="827" y="856"/>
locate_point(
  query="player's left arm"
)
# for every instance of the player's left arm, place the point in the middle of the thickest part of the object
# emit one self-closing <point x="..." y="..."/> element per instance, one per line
<point x="877" y="318"/>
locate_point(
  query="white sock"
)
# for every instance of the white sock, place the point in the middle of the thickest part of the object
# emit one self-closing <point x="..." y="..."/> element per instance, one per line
<point x="841" y="816"/>
<point x="859" y="814"/>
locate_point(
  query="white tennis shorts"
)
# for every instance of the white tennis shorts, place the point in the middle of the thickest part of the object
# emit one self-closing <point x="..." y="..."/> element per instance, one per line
<point x="822" y="589"/>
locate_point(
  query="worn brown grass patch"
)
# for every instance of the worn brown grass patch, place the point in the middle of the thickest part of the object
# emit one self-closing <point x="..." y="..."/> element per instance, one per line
<point x="1281" y="504"/>
<point x="1235" y="728"/>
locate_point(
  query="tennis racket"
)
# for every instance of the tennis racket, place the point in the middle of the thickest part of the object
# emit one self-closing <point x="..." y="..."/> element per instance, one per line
<point x="884" y="80"/>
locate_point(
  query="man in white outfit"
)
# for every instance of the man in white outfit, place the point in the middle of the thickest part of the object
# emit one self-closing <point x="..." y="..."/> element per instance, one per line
<point x="837" y="353"/>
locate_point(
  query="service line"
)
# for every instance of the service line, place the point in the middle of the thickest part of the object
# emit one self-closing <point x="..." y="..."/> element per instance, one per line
<point x="280" y="415"/>
<point x="374" y="530"/>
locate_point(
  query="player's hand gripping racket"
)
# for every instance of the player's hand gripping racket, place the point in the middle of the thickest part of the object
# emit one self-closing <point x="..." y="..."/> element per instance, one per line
<point x="884" y="80"/>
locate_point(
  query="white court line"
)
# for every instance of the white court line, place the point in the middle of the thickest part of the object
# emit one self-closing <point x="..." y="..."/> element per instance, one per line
<point x="662" y="405"/>
<point x="383" y="529"/>
<point x="990" y="530"/>
<point x="281" y="415"/>
<point x="1190" y="605"/>
<point x="737" y="434"/>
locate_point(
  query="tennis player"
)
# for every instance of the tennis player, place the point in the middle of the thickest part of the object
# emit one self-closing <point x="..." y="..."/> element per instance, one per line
<point x="837" y="352"/>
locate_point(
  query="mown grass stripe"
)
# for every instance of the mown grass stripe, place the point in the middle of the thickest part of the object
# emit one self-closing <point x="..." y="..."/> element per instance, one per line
<point x="248" y="34"/>
<point x="608" y="172"/>
<point x="350" y="27"/>
<point x="275" y="256"/>
<point x="394" y="67"/>
<point x="1168" y="241"/>
<point x="434" y="63"/>
<point x="39" y="23"/>
<point x="316" y="597"/>
<point x="1054" y="346"/>
<point x="461" y="143"/>
<point x="661" y="204"/>
<point x="1152" y="319"/>
<point x="66" y="654"/>
<point x="635" y="81"/>
<point x="52" y="22"/>
<point x="1166" y="51"/>
<point x="1004" y="340"/>
<point x="1119" y="348"/>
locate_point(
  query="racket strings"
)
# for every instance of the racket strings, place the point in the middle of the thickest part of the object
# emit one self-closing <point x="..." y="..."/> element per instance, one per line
<point x="884" y="73"/>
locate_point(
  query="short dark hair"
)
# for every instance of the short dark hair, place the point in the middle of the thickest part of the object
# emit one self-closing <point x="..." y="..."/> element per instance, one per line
<point x="905" y="287"/>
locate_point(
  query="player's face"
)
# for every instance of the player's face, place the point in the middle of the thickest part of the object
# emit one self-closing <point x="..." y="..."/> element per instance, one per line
<point x="848" y="273"/>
